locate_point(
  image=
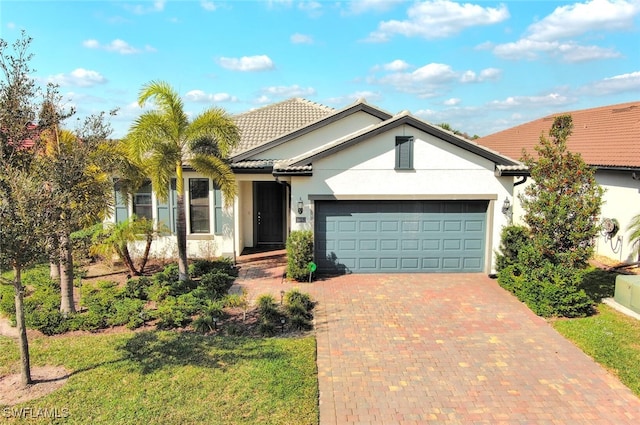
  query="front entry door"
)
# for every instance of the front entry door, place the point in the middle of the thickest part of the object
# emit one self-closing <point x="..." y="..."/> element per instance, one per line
<point x="269" y="212"/>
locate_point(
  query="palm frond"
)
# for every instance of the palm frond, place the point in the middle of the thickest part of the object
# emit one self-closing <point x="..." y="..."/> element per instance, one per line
<point x="218" y="171"/>
<point x="216" y="124"/>
<point x="160" y="166"/>
<point x="167" y="101"/>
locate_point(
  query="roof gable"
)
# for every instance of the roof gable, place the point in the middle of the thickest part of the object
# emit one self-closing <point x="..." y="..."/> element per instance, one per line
<point x="272" y="121"/>
<point x="266" y="144"/>
<point x="404" y="118"/>
<point x="607" y="136"/>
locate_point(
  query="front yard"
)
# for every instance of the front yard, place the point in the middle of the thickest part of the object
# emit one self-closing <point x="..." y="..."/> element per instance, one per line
<point x="160" y="377"/>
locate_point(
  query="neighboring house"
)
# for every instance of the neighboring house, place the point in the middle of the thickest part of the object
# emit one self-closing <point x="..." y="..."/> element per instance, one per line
<point x="381" y="192"/>
<point x="608" y="138"/>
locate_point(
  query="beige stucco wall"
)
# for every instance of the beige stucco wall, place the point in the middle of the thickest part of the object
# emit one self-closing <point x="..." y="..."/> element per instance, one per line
<point x="621" y="202"/>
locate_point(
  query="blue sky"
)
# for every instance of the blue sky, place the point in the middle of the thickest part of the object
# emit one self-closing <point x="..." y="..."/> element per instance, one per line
<point x="481" y="66"/>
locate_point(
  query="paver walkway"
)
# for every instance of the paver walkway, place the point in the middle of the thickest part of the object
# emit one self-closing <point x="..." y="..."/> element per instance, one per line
<point x="445" y="348"/>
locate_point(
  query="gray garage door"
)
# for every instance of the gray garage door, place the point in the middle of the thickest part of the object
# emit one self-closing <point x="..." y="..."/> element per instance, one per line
<point x="400" y="236"/>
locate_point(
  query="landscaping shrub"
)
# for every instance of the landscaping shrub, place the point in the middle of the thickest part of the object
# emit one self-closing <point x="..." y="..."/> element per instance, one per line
<point x="216" y="283"/>
<point x="298" y="306"/>
<point x="170" y="314"/>
<point x="513" y="239"/>
<point x="299" y="254"/>
<point x="201" y="267"/>
<point x="138" y="288"/>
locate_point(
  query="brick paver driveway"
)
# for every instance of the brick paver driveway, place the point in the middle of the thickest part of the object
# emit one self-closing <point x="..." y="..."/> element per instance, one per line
<point x="449" y="348"/>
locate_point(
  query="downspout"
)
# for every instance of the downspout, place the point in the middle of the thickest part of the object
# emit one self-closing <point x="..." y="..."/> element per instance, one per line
<point x="518" y="183"/>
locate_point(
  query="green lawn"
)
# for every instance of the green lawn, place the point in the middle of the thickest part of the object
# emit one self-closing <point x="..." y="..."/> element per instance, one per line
<point x="610" y="337"/>
<point x="158" y="377"/>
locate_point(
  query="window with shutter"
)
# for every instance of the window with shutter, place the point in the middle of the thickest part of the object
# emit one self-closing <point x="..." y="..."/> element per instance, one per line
<point x="404" y="152"/>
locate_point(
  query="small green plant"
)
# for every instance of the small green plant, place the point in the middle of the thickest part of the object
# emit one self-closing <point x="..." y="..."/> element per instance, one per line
<point x="299" y="254"/>
<point x="298" y="306"/>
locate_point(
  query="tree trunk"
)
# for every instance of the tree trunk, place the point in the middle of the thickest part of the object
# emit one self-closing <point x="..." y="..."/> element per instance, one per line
<point x="25" y="366"/>
<point x="54" y="270"/>
<point x="66" y="271"/>
<point x="181" y="234"/>
<point x="54" y="264"/>
<point x="145" y="256"/>
<point x="128" y="261"/>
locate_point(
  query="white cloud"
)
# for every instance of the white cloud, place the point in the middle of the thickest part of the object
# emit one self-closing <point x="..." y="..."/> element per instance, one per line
<point x="209" y="6"/>
<point x="438" y="19"/>
<point x="311" y="7"/>
<point x="396" y="65"/>
<point x="551" y="99"/>
<point x="247" y="63"/>
<point x="117" y="45"/>
<point x="147" y="7"/>
<point x="288" y="91"/>
<point x="79" y="77"/>
<point x="298" y="38"/>
<point x="432" y="79"/>
<point x="567" y="51"/>
<point x="200" y="96"/>
<point x="452" y="102"/>
<point x="624" y="83"/>
<point x="552" y="34"/>
<point x="11" y="25"/>
<point x="579" y="18"/>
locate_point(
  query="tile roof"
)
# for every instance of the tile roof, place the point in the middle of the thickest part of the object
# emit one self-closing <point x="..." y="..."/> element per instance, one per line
<point x="607" y="136"/>
<point x="269" y="122"/>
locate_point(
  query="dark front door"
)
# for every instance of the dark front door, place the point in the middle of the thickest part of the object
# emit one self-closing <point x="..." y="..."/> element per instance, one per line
<point x="269" y="212"/>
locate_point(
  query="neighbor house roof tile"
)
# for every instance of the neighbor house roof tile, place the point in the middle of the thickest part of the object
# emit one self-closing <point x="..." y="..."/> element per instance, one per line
<point x="267" y="123"/>
<point x="607" y="136"/>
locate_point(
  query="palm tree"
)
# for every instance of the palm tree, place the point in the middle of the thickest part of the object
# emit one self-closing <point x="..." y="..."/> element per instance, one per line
<point x="163" y="139"/>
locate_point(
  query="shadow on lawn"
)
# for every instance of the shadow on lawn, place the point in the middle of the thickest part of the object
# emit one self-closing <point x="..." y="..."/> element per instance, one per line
<point x="153" y="350"/>
<point x="599" y="284"/>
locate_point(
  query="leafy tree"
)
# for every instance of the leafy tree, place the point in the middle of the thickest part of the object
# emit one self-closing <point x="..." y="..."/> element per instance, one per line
<point x="163" y="139"/>
<point x="23" y="197"/>
<point x="545" y="267"/>
<point x="562" y="205"/>
<point x="80" y="189"/>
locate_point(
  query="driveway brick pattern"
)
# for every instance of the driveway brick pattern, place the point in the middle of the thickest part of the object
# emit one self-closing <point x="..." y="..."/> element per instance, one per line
<point x="447" y="348"/>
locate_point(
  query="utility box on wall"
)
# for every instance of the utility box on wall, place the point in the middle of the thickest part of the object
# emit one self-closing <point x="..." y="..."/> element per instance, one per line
<point x="627" y="292"/>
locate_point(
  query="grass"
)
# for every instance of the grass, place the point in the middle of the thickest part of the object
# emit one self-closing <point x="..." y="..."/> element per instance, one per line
<point x="157" y="377"/>
<point x="609" y="337"/>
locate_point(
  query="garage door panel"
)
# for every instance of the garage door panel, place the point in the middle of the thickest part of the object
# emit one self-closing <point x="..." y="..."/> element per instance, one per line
<point x="410" y="244"/>
<point x="368" y="264"/>
<point x="389" y="226"/>
<point x="387" y="264"/>
<point x="389" y="244"/>
<point x="368" y="226"/>
<point x="451" y="244"/>
<point x="411" y="226"/>
<point x="473" y="225"/>
<point x="431" y="226"/>
<point x="400" y="236"/>
<point x="452" y="225"/>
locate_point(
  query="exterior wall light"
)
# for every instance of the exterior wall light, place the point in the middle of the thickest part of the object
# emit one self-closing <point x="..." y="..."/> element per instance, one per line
<point x="506" y="207"/>
<point x="300" y="206"/>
